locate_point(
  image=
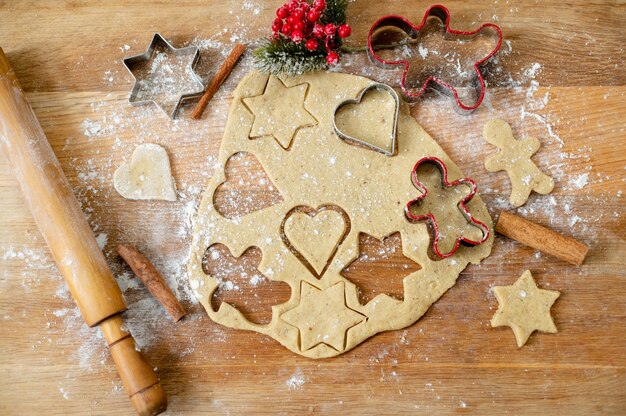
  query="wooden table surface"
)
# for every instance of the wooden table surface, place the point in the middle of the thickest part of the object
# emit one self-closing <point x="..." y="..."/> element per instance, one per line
<point x="559" y="77"/>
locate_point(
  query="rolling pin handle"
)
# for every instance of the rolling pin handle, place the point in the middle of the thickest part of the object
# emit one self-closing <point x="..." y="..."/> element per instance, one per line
<point x="140" y="381"/>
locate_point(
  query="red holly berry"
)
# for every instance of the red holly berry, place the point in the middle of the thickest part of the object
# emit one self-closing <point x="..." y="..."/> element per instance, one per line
<point x="276" y="35"/>
<point x="277" y="25"/>
<point x="286" y="29"/>
<point x="297" y="36"/>
<point x="331" y="43"/>
<point x="314" y="15"/>
<point x="311" y="44"/>
<point x="298" y="25"/>
<point x="319" y="5"/>
<point x="344" y="31"/>
<point x="329" y="29"/>
<point x="318" y="30"/>
<point x="298" y="14"/>
<point x="282" y="12"/>
<point x="291" y="20"/>
<point x="332" y="58"/>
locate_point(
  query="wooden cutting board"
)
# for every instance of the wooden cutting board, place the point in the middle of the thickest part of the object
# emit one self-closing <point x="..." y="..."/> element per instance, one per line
<point x="560" y="77"/>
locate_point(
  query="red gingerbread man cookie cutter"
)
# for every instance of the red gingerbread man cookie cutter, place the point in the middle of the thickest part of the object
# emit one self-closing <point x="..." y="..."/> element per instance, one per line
<point x="413" y="32"/>
<point x="461" y="206"/>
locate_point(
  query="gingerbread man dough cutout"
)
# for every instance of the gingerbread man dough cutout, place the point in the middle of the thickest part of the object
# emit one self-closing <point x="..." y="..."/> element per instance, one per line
<point x="514" y="156"/>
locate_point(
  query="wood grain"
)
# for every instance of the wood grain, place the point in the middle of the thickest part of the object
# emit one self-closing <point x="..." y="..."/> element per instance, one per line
<point x="67" y="56"/>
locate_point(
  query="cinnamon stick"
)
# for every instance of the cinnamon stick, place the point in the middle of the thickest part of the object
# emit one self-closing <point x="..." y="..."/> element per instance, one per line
<point x="541" y="238"/>
<point x="218" y="79"/>
<point x="153" y="280"/>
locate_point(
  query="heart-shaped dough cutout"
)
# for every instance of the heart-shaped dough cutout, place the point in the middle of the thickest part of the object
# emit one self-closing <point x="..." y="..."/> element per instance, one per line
<point x="316" y="234"/>
<point x="147" y="175"/>
<point x="371" y="119"/>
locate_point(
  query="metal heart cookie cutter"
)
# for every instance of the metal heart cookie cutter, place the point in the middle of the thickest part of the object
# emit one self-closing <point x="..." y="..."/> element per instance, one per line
<point x="346" y="137"/>
<point x="414" y="33"/>
<point x="430" y="217"/>
<point x="157" y="42"/>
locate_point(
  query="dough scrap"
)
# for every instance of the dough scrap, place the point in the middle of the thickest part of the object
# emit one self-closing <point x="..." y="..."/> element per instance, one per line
<point x="320" y="169"/>
<point x="514" y="156"/>
<point x="524" y="308"/>
<point x="147" y="175"/>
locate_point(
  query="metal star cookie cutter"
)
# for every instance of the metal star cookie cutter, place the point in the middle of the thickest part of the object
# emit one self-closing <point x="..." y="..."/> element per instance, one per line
<point x="442" y="13"/>
<point x="345" y="137"/>
<point x="157" y="41"/>
<point x="461" y="206"/>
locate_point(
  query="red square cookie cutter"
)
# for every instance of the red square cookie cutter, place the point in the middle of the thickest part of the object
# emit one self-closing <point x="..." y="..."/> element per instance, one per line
<point x="413" y="32"/>
<point x="461" y="206"/>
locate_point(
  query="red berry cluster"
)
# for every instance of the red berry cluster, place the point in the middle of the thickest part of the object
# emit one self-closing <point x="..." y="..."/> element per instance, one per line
<point x="299" y="21"/>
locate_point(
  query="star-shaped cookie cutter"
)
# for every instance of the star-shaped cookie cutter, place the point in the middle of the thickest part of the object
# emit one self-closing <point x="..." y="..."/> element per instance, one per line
<point x="346" y="137"/>
<point x="158" y="40"/>
<point x="461" y="206"/>
<point x="443" y="14"/>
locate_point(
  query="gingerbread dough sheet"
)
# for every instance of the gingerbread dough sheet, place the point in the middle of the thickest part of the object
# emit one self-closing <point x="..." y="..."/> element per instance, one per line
<point x="331" y="192"/>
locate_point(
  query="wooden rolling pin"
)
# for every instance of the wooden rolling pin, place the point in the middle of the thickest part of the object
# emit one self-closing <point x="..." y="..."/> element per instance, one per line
<point x="71" y="241"/>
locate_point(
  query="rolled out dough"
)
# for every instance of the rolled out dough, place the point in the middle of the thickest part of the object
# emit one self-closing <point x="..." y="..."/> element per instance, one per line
<point x="311" y="167"/>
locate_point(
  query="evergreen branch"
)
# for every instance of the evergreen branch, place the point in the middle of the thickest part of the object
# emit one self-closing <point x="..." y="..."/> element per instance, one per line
<point x="280" y="56"/>
<point x="335" y="12"/>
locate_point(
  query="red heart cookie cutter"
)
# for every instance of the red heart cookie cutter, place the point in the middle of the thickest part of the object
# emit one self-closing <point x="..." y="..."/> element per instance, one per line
<point x="413" y="32"/>
<point x="461" y="205"/>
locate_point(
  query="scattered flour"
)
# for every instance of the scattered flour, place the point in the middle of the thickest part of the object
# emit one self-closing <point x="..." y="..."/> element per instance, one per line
<point x="102" y="239"/>
<point x="65" y="394"/>
<point x="579" y="181"/>
<point x="296" y="381"/>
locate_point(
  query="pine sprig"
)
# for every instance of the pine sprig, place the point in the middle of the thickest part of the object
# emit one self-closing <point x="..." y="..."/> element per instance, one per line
<point x="335" y="12"/>
<point x="280" y="56"/>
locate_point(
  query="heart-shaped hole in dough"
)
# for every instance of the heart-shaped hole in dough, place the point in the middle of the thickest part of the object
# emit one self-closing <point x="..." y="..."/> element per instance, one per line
<point x="313" y="235"/>
<point x="247" y="188"/>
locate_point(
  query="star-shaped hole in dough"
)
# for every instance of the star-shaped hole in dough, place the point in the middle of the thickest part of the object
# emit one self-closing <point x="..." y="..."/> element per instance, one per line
<point x="524" y="308"/>
<point x="322" y="316"/>
<point x="377" y="257"/>
<point x="279" y="112"/>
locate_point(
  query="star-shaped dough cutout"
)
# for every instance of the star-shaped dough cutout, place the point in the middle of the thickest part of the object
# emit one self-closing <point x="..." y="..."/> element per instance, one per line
<point x="524" y="308"/>
<point x="279" y="112"/>
<point x="322" y="316"/>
